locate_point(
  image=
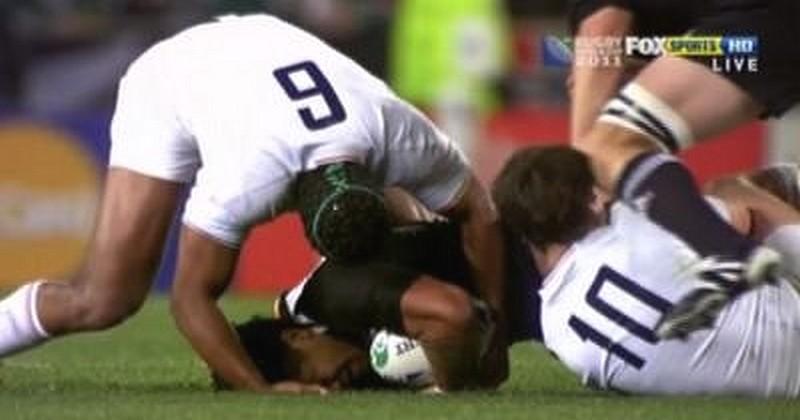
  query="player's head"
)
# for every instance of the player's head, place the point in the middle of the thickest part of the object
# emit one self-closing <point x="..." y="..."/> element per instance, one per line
<point x="547" y="194"/>
<point x="285" y="351"/>
<point x="343" y="211"/>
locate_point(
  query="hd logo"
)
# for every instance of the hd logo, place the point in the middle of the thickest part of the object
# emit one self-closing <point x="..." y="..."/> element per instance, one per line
<point x="727" y="54"/>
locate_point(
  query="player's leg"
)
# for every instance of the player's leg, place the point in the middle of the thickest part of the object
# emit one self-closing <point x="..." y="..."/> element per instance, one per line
<point x="765" y="217"/>
<point x="116" y="276"/>
<point x="662" y="111"/>
<point x="682" y="99"/>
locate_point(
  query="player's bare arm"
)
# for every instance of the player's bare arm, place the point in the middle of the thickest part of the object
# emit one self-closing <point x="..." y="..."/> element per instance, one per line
<point x="204" y="271"/>
<point x="677" y="100"/>
<point x="452" y="330"/>
<point x="483" y="246"/>
<point x="482" y="239"/>
<point x="591" y="86"/>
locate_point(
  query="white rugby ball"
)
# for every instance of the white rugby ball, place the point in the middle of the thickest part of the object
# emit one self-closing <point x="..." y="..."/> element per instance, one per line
<point x="400" y="360"/>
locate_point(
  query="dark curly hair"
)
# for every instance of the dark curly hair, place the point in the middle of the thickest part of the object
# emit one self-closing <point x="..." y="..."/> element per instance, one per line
<point x="343" y="211"/>
<point x="263" y="342"/>
<point x="544" y="193"/>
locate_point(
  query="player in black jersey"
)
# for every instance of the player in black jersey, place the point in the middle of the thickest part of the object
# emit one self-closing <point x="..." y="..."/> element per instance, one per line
<point x="420" y="286"/>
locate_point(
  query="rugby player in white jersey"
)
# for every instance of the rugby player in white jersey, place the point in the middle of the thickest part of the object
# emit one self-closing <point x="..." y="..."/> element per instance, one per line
<point x="241" y="107"/>
<point x="610" y="274"/>
<point x="675" y="101"/>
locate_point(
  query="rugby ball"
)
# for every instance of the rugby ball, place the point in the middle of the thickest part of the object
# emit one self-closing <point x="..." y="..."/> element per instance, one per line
<point x="400" y="360"/>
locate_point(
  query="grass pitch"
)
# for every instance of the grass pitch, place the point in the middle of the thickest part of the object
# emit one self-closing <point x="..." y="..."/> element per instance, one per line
<point x="144" y="370"/>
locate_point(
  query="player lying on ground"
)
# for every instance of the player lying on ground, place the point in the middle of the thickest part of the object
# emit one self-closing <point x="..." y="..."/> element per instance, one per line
<point x="285" y="350"/>
<point x="420" y="286"/>
<point x="242" y="107"/>
<point x="677" y="100"/>
<point x="610" y="275"/>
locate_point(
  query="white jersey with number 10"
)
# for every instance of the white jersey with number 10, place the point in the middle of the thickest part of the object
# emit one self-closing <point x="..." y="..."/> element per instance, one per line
<point x="602" y="301"/>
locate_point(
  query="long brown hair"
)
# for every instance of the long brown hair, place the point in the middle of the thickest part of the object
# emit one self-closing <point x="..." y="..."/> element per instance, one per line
<point x="544" y="194"/>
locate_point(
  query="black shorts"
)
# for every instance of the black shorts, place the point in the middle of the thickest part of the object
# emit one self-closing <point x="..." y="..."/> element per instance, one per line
<point x="651" y="17"/>
<point x="356" y="299"/>
<point x="776" y="83"/>
<point x="776" y="23"/>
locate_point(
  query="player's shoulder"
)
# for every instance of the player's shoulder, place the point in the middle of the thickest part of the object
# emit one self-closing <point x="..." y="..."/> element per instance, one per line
<point x="253" y="35"/>
<point x="239" y="25"/>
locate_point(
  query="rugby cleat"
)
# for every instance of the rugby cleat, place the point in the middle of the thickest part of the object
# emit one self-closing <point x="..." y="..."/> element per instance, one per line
<point x="723" y="281"/>
<point x="696" y="311"/>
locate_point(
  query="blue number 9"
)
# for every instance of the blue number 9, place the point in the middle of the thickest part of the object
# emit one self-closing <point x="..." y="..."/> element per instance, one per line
<point x="321" y="87"/>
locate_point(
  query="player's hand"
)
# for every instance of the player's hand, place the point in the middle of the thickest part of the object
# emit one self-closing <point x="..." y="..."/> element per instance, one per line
<point x="290" y="387"/>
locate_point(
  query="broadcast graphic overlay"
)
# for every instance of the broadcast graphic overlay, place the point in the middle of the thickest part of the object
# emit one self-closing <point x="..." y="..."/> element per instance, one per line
<point x="724" y="54"/>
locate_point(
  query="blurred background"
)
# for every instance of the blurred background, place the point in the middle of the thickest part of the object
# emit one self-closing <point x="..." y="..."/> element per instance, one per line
<point x="477" y="67"/>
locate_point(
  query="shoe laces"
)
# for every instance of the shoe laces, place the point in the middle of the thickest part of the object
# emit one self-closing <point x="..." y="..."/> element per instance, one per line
<point x="718" y="273"/>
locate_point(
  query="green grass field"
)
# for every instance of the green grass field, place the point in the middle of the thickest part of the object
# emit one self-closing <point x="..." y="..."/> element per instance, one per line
<point x="144" y="370"/>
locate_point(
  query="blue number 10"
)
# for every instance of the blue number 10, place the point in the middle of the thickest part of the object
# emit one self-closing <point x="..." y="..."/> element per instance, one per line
<point x="587" y="332"/>
<point x="321" y="86"/>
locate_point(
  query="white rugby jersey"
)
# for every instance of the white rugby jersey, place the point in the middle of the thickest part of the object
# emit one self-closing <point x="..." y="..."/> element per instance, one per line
<point x="245" y="103"/>
<point x="602" y="301"/>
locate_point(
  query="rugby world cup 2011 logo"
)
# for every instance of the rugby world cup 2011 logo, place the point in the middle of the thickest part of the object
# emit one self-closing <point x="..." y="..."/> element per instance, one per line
<point x="556" y="51"/>
<point x="49" y="188"/>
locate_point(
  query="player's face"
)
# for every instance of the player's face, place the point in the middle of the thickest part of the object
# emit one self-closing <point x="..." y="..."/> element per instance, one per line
<point x="321" y="359"/>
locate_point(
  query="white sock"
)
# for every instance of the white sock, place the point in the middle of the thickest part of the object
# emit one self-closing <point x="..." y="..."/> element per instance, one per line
<point x="20" y="328"/>
<point x="786" y="240"/>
